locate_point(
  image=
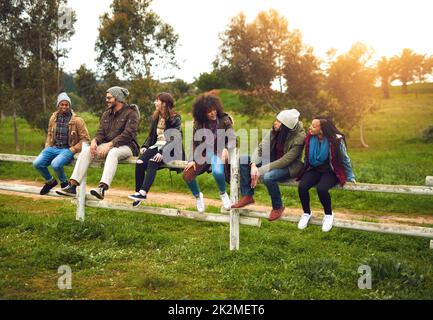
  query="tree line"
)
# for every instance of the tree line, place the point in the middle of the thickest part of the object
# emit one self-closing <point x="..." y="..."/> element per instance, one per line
<point x="272" y="68"/>
<point x="132" y="41"/>
<point x="264" y="60"/>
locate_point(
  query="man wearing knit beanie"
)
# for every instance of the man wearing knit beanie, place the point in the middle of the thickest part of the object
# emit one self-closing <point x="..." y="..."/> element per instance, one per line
<point x="66" y="133"/>
<point x="119" y="93"/>
<point x="115" y="140"/>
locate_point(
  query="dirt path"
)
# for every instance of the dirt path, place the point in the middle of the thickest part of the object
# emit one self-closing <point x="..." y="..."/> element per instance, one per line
<point x="184" y="201"/>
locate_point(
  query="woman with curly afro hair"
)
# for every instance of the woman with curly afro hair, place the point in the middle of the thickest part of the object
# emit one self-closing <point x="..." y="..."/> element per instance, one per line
<point x="213" y="137"/>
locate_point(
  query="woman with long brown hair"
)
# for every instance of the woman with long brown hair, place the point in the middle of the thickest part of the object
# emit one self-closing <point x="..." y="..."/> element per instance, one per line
<point x="152" y="151"/>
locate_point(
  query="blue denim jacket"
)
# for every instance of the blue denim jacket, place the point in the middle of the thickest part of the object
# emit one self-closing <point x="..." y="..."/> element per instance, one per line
<point x="346" y="163"/>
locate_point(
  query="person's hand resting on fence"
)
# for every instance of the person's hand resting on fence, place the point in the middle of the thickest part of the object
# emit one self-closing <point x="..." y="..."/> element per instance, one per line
<point x="157" y="157"/>
<point x="143" y="150"/>
<point x="255" y="175"/>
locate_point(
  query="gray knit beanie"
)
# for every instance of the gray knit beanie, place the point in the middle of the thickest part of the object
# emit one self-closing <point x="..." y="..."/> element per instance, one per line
<point x="119" y="93"/>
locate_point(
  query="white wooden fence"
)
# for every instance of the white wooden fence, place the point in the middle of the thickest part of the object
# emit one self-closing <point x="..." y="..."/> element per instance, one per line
<point x="237" y="216"/>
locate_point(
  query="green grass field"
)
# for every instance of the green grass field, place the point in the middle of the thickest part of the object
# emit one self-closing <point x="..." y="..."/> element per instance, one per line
<point x="131" y="255"/>
<point x="118" y="255"/>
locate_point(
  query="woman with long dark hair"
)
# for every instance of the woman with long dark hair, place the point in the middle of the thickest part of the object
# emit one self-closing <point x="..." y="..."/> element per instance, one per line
<point x="152" y="151"/>
<point x="326" y="164"/>
<point x="215" y="126"/>
<point x="277" y="158"/>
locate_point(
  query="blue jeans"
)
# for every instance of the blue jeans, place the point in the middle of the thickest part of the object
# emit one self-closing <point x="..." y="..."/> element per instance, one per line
<point x="58" y="158"/>
<point x="270" y="179"/>
<point x="217" y="172"/>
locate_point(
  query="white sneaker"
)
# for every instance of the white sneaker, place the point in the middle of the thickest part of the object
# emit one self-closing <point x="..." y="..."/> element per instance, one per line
<point x="200" y="203"/>
<point x="227" y="204"/>
<point x="328" y="219"/>
<point x="303" y="222"/>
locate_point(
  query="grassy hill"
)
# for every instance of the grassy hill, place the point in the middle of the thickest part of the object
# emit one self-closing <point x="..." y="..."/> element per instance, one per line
<point x="123" y="255"/>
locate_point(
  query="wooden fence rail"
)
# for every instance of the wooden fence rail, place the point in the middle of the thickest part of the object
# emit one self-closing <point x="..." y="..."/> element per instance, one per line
<point x="237" y="216"/>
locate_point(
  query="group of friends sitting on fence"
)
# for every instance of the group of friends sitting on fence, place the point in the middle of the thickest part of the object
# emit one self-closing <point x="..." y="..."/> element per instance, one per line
<point x="277" y="158"/>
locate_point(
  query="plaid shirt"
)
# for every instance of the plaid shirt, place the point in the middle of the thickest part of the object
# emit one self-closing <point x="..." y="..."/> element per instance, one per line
<point x="62" y="130"/>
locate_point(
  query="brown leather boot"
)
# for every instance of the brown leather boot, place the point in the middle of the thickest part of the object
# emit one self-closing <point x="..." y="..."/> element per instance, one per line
<point x="243" y="202"/>
<point x="276" y="214"/>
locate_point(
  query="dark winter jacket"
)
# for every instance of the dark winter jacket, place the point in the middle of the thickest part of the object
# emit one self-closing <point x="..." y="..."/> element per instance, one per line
<point x="120" y="127"/>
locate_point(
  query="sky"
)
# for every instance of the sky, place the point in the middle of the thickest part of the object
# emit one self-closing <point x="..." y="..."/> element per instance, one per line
<point x="387" y="26"/>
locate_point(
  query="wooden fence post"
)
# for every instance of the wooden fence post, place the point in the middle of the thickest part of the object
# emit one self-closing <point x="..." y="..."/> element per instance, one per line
<point x="81" y="203"/>
<point x="234" y="197"/>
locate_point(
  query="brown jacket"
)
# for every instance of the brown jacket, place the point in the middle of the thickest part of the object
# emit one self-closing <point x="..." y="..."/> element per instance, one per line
<point x="77" y="132"/>
<point x="120" y="127"/>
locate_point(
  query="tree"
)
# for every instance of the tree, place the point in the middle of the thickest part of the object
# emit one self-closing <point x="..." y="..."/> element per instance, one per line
<point x="209" y="81"/>
<point x="178" y="88"/>
<point x="258" y="53"/>
<point x="302" y="74"/>
<point x="257" y="50"/>
<point x="423" y="68"/>
<point x="406" y="65"/>
<point x="11" y="50"/>
<point x="351" y="82"/>
<point x="386" y="70"/>
<point x="134" y="39"/>
<point x="44" y="31"/>
<point x="143" y="92"/>
<point x="243" y="50"/>
<point x="276" y="42"/>
<point x="90" y="90"/>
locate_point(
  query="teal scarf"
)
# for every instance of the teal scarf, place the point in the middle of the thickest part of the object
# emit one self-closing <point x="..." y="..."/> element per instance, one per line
<point x="319" y="151"/>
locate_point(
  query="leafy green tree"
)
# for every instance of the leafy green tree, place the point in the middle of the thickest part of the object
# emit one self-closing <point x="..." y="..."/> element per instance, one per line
<point x="351" y="81"/>
<point x="133" y="39"/>
<point x="262" y="53"/>
<point x="11" y="50"/>
<point x="406" y="65"/>
<point x="143" y="93"/>
<point x="44" y="30"/>
<point x="386" y="69"/>
<point x="302" y="74"/>
<point x="210" y="80"/>
<point x="423" y="69"/>
<point x="245" y="49"/>
<point x="90" y="90"/>
<point x="178" y="88"/>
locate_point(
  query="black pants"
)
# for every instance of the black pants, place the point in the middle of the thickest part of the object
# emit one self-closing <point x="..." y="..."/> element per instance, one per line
<point x="323" y="181"/>
<point x="145" y="172"/>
